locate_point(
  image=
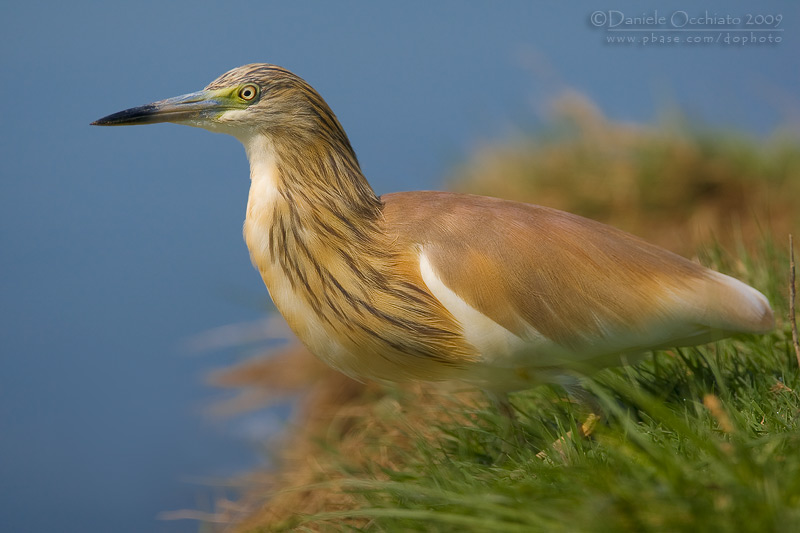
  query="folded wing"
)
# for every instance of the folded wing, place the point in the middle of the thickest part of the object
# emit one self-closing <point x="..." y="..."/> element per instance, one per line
<point x="533" y="286"/>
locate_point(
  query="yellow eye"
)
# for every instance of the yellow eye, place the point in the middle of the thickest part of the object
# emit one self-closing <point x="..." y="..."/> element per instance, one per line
<point x="248" y="92"/>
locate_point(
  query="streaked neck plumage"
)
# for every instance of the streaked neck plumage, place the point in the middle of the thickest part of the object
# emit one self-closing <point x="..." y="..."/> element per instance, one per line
<point x="315" y="231"/>
<point x="311" y="213"/>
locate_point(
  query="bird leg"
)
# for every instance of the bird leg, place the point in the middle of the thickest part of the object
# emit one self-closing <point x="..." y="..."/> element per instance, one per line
<point x="580" y="395"/>
<point x="503" y="405"/>
<point x="509" y="429"/>
<point x="584" y="431"/>
<point x="512" y="434"/>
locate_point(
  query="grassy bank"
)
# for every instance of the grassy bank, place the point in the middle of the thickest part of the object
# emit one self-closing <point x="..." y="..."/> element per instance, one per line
<point x="696" y="439"/>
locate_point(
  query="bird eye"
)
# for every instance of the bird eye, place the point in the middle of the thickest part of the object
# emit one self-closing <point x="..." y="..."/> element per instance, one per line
<point x="248" y="92"/>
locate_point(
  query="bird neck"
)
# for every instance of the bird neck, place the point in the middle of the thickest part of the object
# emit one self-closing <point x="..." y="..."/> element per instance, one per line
<point x="317" y="234"/>
<point x="324" y="178"/>
<point x="312" y="218"/>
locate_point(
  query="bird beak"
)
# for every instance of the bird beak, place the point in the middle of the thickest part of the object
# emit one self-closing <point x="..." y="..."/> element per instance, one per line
<point x="194" y="109"/>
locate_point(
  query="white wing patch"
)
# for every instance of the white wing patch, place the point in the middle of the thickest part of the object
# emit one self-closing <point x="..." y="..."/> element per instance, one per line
<point x="493" y="341"/>
<point x="501" y="348"/>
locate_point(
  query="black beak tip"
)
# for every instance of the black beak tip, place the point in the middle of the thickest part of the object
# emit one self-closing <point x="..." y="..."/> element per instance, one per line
<point x="135" y="115"/>
<point x="113" y="119"/>
<point x="108" y="120"/>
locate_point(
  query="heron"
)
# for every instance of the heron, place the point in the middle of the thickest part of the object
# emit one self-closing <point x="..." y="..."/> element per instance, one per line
<point x="440" y="286"/>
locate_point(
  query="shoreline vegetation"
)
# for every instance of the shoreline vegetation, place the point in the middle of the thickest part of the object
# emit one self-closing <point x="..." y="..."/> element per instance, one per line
<point x="692" y="439"/>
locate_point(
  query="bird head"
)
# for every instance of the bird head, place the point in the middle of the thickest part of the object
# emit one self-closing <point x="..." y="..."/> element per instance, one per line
<point x="251" y="100"/>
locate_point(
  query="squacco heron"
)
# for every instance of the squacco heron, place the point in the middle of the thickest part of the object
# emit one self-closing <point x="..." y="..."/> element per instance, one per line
<point x="440" y="286"/>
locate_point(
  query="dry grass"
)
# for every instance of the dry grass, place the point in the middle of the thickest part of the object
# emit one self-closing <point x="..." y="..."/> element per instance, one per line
<point x="369" y="426"/>
<point x="673" y="185"/>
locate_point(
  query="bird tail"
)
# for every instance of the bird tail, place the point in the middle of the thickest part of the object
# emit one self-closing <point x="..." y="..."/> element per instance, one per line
<point x="728" y="305"/>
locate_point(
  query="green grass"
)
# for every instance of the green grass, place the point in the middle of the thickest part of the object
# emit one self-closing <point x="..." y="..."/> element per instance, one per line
<point x="696" y="439"/>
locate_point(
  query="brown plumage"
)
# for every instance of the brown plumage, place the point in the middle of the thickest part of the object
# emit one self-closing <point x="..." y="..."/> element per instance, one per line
<point x="434" y="286"/>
